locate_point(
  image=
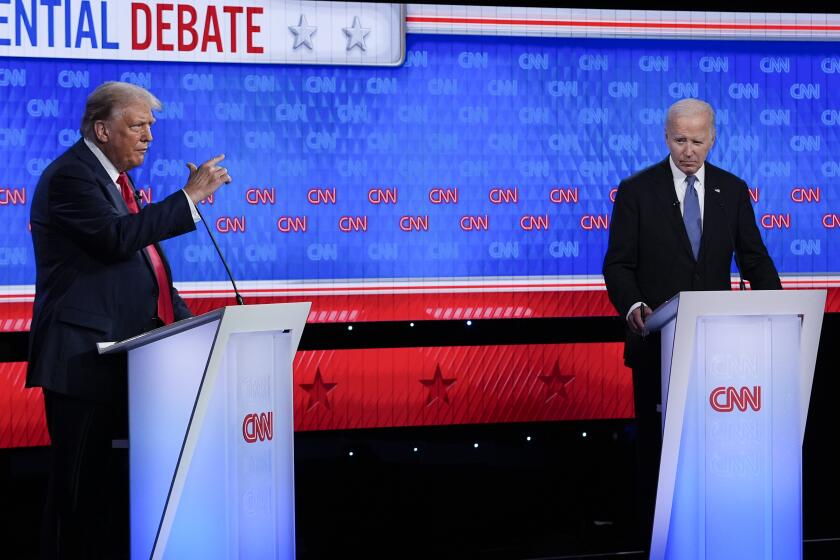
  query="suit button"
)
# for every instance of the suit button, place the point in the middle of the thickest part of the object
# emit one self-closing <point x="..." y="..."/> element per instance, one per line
<point x="697" y="277"/>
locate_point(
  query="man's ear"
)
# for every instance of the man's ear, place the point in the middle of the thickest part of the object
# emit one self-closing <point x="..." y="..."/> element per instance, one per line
<point x="100" y="130"/>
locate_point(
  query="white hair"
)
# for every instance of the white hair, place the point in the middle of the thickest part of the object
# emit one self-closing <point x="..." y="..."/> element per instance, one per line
<point x="691" y="108"/>
<point x="110" y="98"/>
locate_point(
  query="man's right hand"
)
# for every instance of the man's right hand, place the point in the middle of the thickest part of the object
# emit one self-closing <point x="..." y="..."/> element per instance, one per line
<point x="206" y="179"/>
<point x="636" y="319"/>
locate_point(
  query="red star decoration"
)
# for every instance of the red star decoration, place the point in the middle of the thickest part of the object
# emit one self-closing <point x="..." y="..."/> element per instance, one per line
<point x="556" y="383"/>
<point x="438" y="387"/>
<point x="318" y="390"/>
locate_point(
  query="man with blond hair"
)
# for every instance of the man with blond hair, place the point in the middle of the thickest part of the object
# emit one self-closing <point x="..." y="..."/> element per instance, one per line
<point x="675" y="227"/>
<point x="100" y="276"/>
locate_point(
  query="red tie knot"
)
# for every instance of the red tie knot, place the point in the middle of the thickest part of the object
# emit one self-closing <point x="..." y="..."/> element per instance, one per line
<point x="127" y="193"/>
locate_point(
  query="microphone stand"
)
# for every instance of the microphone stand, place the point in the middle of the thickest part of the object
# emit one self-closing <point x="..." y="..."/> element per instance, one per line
<point x="239" y="300"/>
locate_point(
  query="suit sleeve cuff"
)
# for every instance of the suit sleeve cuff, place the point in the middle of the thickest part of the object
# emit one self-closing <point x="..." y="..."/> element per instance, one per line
<point x="195" y="216"/>
<point x="633" y="307"/>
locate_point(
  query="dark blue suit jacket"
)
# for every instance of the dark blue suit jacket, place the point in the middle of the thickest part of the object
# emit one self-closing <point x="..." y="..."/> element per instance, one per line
<point x="94" y="281"/>
<point x="649" y="256"/>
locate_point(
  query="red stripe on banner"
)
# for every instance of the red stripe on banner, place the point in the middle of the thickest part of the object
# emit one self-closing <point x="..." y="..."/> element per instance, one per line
<point x="377" y="289"/>
<point x="401" y="289"/>
<point x="22" y="421"/>
<point x="16" y="316"/>
<point x="433" y="386"/>
<point x="435" y="306"/>
<point x="624" y="24"/>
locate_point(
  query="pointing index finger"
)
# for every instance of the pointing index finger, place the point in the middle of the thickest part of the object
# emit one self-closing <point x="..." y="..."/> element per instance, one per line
<point x="216" y="159"/>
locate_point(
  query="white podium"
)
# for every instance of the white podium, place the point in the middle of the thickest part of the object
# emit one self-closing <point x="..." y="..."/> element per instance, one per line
<point x="737" y="370"/>
<point x="211" y="434"/>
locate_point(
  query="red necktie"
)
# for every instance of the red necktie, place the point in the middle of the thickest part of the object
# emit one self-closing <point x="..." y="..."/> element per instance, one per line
<point x="164" y="304"/>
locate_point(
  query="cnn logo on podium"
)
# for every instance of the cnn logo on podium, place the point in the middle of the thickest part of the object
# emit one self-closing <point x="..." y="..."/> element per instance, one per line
<point x="258" y="427"/>
<point x="727" y="399"/>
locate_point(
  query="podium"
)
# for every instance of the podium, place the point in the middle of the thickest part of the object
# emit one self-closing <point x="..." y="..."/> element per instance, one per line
<point x="211" y="453"/>
<point x="737" y="370"/>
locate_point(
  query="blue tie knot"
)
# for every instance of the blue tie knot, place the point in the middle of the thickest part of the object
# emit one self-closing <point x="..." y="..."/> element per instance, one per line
<point x="691" y="179"/>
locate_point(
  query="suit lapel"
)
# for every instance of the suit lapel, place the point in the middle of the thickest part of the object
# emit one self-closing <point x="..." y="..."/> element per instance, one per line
<point x="713" y="219"/>
<point x="145" y="250"/>
<point x="83" y="153"/>
<point x="668" y="197"/>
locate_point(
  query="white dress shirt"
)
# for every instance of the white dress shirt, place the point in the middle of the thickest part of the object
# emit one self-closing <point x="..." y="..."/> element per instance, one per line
<point x="681" y="185"/>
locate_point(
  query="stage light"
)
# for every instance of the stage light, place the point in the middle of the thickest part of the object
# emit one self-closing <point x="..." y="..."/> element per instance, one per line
<point x="349" y="327"/>
<point x="469" y="323"/>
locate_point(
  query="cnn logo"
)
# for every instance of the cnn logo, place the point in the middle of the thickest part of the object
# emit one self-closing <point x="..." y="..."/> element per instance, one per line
<point x="727" y="399"/>
<point x="258" y="427"/>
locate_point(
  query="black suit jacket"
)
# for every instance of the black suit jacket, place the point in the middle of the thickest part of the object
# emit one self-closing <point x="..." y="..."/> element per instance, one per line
<point x="649" y="256"/>
<point x="94" y="280"/>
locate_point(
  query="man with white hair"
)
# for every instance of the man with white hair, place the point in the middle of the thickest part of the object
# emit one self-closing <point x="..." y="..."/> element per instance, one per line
<point x="100" y="276"/>
<point x="675" y="227"/>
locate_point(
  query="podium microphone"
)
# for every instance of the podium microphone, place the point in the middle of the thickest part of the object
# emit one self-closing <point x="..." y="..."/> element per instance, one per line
<point x="239" y="300"/>
<point x="719" y="197"/>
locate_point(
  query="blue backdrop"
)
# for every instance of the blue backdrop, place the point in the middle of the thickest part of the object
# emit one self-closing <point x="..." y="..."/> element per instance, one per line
<point x="534" y="133"/>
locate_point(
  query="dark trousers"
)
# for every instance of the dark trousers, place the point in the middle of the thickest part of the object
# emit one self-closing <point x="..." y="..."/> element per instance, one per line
<point x="646" y="399"/>
<point x="86" y="513"/>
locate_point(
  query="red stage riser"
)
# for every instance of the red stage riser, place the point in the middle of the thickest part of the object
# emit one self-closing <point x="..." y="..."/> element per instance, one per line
<point x="431" y="386"/>
<point x="22" y="421"/>
<point x="397" y="387"/>
<point x="384" y="387"/>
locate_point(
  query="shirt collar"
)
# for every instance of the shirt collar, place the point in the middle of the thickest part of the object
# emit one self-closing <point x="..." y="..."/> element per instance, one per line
<point x="110" y="169"/>
<point x="679" y="176"/>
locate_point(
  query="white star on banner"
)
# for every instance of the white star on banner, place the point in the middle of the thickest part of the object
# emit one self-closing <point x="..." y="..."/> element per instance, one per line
<point x="356" y="35"/>
<point x="303" y="33"/>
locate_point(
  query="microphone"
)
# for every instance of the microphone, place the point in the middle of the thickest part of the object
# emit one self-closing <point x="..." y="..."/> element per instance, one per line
<point x="719" y="198"/>
<point x="239" y="300"/>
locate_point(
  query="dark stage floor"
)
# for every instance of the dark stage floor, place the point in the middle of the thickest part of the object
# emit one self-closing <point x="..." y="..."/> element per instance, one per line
<point x="559" y="494"/>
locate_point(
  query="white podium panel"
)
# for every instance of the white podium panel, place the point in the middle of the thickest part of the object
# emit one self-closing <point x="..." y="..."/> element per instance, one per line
<point x="239" y="491"/>
<point x="211" y="435"/>
<point x="737" y="372"/>
<point x="160" y="405"/>
<point x="735" y="486"/>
